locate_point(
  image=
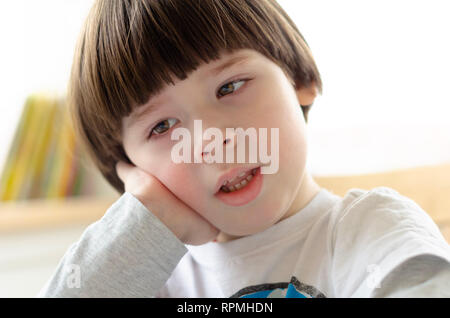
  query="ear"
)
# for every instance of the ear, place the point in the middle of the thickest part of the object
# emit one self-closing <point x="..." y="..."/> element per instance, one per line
<point x="307" y="95"/>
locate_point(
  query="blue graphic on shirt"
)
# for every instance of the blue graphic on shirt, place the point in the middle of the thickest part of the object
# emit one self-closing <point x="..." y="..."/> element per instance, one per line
<point x="293" y="289"/>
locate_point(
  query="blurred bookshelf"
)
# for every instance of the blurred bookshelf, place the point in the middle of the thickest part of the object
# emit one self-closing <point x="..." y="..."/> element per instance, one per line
<point x="46" y="180"/>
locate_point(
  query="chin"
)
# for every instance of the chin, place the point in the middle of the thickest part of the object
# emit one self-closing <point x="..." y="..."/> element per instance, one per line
<point x="268" y="211"/>
<point x="248" y="230"/>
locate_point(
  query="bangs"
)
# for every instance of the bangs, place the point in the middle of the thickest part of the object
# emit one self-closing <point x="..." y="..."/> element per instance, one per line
<point x="142" y="45"/>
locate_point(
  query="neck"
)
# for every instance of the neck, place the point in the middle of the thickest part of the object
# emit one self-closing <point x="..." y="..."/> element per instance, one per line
<point x="306" y="192"/>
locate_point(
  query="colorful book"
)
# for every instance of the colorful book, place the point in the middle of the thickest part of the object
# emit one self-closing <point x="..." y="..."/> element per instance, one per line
<point x="63" y="160"/>
<point x="7" y="176"/>
<point x="17" y="175"/>
<point x="31" y="188"/>
<point x="44" y="160"/>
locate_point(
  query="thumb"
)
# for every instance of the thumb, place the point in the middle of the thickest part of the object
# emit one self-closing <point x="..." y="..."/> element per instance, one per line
<point x="123" y="170"/>
<point x="132" y="177"/>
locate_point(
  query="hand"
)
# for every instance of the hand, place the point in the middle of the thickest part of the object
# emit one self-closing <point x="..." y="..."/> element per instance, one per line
<point x="187" y="225"/>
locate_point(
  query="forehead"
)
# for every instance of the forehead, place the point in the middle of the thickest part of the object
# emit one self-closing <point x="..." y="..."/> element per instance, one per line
<point x="214" y="68"/>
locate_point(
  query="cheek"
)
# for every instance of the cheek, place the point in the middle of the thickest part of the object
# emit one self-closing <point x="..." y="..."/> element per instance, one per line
<point x="178" y="179"/>
<point x="293" y="141"/>
<point x="285" y="115"/>
<point x="175" y="177"/>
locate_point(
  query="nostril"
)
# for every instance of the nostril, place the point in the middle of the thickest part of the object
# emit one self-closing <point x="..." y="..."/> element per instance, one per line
<point x="226" y="141"/>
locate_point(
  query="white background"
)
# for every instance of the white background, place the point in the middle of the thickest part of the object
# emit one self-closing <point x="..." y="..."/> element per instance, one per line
<point x="386" y="71"/>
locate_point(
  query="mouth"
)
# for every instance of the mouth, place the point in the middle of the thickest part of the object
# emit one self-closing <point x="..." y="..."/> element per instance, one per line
<point x="231" y="178"/>
<point x="239" y="182"/>
<point x="242" y="188"/>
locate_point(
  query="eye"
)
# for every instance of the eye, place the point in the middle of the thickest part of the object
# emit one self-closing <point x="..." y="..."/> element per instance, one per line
<point x="230" y="87"/>
<point x="162" y="127"/>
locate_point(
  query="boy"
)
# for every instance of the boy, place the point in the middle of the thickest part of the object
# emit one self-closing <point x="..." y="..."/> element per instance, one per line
<point x="144" y="69"/>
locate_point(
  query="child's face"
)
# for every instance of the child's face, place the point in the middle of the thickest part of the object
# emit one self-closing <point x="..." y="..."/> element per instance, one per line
<point x="265" y="98"/>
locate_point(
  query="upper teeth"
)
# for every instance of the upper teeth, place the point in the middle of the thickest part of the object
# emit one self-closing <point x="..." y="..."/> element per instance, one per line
<point x="240" y="184"/>
<point x="239" y="176"/>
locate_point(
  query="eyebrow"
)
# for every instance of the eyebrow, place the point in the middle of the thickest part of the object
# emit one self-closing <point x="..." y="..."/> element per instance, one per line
<point x="140" y="115"/>
<point x="227" y="64"/>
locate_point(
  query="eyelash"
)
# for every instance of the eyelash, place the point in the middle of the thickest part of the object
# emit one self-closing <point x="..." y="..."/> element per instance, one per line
<point x="231" y="82"/>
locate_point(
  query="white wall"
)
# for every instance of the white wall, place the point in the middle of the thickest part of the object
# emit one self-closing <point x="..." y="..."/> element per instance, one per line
<point x="29" y="259"/>
<point x="386" y="72"/>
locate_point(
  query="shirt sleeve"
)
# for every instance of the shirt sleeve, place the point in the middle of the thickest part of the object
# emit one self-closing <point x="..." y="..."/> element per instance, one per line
<point x="129" y="252"/>
<point x="420" y="276"/>
<point x="380" y="240"/>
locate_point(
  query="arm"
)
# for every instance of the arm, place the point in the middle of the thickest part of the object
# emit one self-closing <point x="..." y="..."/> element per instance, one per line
<point x="421" y="276"/>
<point x="385" y="245"/>
<point x="127" y="253"/>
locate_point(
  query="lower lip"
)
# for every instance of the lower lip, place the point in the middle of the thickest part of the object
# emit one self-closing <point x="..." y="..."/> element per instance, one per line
<point x="244" y="195"/>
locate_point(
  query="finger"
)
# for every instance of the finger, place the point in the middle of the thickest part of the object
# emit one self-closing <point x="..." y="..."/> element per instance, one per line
<point x="189" y="226"/>
<point x="123" y="170"/>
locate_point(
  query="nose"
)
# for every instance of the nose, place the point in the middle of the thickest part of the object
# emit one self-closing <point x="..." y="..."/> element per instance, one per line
<point x="225" y="142"/>
<point x="229" y="142"/>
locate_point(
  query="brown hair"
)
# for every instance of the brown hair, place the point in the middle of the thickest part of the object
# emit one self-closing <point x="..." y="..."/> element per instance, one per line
<point x="128" y="50"/>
